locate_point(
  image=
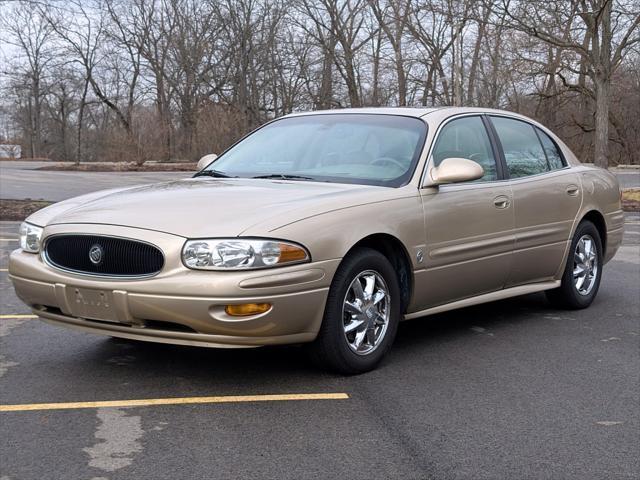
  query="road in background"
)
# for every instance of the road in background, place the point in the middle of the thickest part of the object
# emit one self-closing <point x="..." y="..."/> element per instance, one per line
<point x="20" y="180"/>
<point x="628" y="178"/>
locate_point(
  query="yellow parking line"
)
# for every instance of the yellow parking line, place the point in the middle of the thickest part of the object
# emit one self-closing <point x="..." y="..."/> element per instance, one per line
<point x="175" y="401"/>
<point x="13" y="315"/>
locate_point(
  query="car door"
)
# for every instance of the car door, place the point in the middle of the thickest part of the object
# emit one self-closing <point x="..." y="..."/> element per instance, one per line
<point x="469" y="226"/>
<point x="546" y="199"/>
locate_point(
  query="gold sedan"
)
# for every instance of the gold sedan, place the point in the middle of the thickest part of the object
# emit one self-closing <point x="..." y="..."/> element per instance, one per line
<point x="328" y="228"/>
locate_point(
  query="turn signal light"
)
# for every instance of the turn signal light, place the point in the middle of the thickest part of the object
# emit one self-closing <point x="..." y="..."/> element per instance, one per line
<point x="246" y="309"/>
<point x="291" y="253"/>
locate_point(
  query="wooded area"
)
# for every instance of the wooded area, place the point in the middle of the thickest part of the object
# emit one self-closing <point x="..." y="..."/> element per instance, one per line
<point x="138" y="80"/>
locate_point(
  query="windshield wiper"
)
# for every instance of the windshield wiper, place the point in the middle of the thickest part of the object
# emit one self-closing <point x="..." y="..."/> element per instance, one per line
<point x="213" y="173"/>
<point x="284" y="176"/>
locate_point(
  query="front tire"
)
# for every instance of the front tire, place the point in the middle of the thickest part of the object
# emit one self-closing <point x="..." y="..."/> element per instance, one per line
<point x="583" y="270"/>
<point x="361" y="315"/>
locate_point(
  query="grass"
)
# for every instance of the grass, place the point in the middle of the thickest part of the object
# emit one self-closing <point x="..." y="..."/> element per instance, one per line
<point x="631" y="194"/>
<point x="123" y="167"/>
<point x="20" y="209"/>
<point x="631" y="200"/>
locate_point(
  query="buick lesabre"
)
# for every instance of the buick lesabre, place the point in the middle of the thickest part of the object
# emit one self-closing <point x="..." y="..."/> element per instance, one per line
<point x="328" y="229"/>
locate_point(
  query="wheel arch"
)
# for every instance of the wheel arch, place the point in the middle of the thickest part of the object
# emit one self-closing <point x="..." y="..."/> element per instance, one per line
<point x="395" y="251"/>
<point x="596" y="217"/>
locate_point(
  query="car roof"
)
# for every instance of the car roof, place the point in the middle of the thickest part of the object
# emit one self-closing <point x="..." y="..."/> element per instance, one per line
<point x="417" y="112"/>
<point x="405" y="111"/>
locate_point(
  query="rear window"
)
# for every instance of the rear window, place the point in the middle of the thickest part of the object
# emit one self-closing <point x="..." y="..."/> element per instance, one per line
<point x="552" y="151"/>
<point x="523" y="151"/>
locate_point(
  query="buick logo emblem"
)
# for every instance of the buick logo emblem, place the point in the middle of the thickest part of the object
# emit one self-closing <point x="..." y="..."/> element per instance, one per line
<point x="96" y="253"/>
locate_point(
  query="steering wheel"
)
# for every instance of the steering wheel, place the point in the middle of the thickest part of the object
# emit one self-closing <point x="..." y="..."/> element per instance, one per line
<point x="475" y="156"/>
<point x="388" y="160"/>
<point x="330" y="158"/>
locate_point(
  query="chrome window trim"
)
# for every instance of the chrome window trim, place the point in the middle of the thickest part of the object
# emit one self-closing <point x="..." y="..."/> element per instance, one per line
<point x="429" y="160"/>
<point x="47" y="261"/>
<point x="506" y="181"/>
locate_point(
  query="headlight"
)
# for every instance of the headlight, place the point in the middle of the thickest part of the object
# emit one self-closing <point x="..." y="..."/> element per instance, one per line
<point x="237" y="254"/>
<point x="30" y="236"/>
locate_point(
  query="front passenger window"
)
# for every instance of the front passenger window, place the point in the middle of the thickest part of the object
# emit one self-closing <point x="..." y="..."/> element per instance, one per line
<point x="466" y="137"/>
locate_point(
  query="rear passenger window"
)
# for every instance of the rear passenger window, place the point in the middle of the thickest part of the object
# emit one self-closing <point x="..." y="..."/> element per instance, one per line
<point x="466" y="137"/>
<point x="522" y="149"/>
<point x="551" y="149"/>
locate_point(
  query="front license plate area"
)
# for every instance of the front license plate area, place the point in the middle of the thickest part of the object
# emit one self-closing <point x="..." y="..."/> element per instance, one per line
<point x="93" y="304"/>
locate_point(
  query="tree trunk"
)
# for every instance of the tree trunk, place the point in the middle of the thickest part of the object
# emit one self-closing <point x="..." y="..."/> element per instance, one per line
<point x="63" y="128"/>
<point x="351" y="80"/>
<point x="375" y="94"/>
<point x="325" y="96"/>
<point x="585" y="106"/>
<point x="399" y="63"/>
<point x="162" y="106"/>
<point x="83" y="101"/>
<point x="32" y="139"/>
<point x="475" y="59"/>
<point x="37" y="116"/>
<point x="601" y="154"/>
<point x="457" y="55"/>
<point x="402" y="78"/>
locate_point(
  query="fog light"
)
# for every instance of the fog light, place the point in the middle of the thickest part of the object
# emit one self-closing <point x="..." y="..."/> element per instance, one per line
<point x="246" y="309"/>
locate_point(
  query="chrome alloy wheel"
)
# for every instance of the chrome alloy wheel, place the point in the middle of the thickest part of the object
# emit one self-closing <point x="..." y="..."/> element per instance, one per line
<point x="585" y="265"/>
<point x="365" y="312"/>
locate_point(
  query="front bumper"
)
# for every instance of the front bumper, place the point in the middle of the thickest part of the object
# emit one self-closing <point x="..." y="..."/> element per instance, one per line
<point x="179" y="305"/>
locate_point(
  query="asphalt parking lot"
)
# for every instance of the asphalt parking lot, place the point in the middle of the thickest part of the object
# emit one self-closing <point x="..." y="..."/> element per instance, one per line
<point x="513" y="389"/>
<point x="20" y="180"/>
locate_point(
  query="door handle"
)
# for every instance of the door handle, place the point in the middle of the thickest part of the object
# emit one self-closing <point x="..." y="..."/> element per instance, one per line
<point x="573" y="190"/>
<point x="501" y="201"/>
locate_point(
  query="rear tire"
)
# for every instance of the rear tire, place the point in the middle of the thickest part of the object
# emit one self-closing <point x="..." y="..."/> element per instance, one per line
<point x="582" y="272"/>
<point x="361" y="314"/>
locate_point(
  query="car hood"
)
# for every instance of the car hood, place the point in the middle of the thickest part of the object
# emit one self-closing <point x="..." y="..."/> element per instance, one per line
<point x="207" y="207"/>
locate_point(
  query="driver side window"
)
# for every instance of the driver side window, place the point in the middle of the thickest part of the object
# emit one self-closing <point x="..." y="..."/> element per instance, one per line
<point x="466" y="137"/>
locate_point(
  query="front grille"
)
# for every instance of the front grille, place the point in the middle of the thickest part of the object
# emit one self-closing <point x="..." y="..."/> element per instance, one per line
<point x="118" y="257"/>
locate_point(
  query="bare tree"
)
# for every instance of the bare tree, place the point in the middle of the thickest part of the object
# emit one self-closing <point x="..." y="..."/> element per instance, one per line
<point x="173" y="79"/>
<point x="31" y="34"/>
<point x="339" y="21"/>
<point x="601" y="36"/>
<point x="392" y="18"/>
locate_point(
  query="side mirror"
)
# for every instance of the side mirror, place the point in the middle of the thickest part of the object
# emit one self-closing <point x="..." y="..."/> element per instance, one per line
<point x="206" y="160"/>
<point x="455" y="170"/>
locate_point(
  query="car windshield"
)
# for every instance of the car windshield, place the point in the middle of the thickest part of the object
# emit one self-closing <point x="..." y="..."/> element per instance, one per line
<point x="370" y="149"/>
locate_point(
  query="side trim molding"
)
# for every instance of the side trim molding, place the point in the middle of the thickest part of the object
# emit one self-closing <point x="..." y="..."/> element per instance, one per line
<point x="486" y="297"/>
